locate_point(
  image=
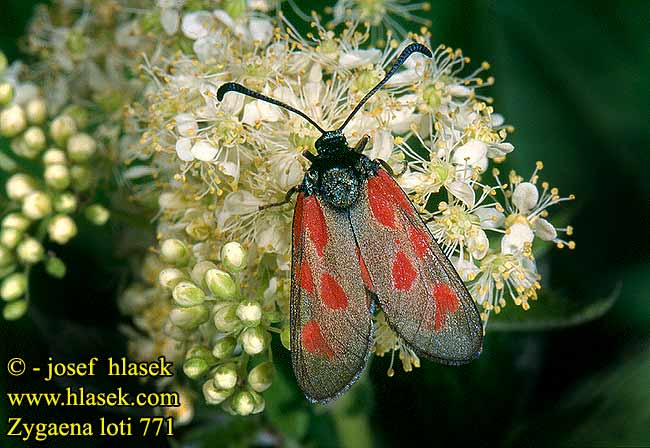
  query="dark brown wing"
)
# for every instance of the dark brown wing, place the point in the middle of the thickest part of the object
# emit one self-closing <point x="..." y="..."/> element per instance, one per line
<point x="331" y="325"/>
<point x="420" y="292"/>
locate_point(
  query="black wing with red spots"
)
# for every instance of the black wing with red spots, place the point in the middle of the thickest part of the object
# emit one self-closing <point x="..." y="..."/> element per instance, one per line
<point x="417" y="287"/>
<point x="331" y="325"/>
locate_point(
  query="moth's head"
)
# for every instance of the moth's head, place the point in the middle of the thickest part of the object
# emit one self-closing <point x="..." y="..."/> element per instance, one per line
<point x="330" y="141"/>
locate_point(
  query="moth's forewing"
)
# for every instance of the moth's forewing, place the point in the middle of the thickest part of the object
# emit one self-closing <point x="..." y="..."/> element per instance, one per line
<point x="331" y="326"/>
<point x="417" y="287"/>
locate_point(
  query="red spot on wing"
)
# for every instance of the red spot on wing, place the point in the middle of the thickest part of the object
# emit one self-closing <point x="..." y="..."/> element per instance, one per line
<point x="365" y="275"/>
<point x="332" y="294"/>
<point x="403" y="272"/>
<point x="392" y="190"/>
<point x="306" y="278"/>
<point x="315" y="223"/>
<point x="380" y="205"/>
<point x="420" y="241"/>
<point x="297" y="219"/>
<point x="314" y="342"/>
<point x="446" y="303"/>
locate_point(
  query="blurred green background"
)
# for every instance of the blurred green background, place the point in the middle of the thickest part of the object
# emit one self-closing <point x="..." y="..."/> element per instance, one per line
<point x="574" y="79"/>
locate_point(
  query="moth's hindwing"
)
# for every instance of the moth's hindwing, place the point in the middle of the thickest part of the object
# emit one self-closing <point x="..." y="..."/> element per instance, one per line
<point x="417" y="287"/>
<point x="331" y="326"/>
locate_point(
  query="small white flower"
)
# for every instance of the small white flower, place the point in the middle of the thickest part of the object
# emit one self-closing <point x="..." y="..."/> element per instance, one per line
<point x="517" y="236"/>
<point x="204" y="151"/>
<point x="184" y="149"/>
<point x="358" y="58"/>
<point x="525" y="196"/>
<point x="197" y="24"/>
<point x="186" y="124"/>
<point x="544" y="230"/>
<point x="472" y="154"/>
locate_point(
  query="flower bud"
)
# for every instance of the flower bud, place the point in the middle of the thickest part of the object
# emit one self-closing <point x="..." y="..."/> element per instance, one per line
<point x="19" y="186"/>
<point x="61" y="229"/>
<point x="6" y="257"/>
<point x="65" y="203"/>
<point x="188" y="294"/>
<point x="97" y="214"/>
<point x="61" y="128"/>
<point x="195" y="367"/>
<point x="225" y="376"/>
<point x="233" y="257"/>
<point x="15" y="221"/>
<point x="55" y="267"/>
<point x="13" y="286"/>
<point x="57" y="176"/>
<point x="36" y="110"/>
<point x="10" y="237"/>
<point x="54" y="156"/>
<point x="12" y="121"/>
<point x="174" y="251"/>
<point x="213" y="395"/>
<point x="173" y="331"/>
<point x="285" y="337"/>
<point x="224" y="347"/>
<point x="188" y="318"/>
<point x="249" y="312"/>
<point x="225" y="319"/>
<point x="37" y="205"/>
<point x="261" y="376"/>
<point x="82" y="177"/>
<point x="81" y="147"/>
<point x="260" y="404"/>
<point x="220" y="283"/>
<point x="253" y="340"/>
<point x="199" y="351"/>
<point x="243" y="403"/>
<point x="34" y="138"/>
<point x="15" y="310"/>
<point x="6" y="93"/>
<point x="199" y="270"/>
<point x="170" y="277"/>
<point x="78" y="114"/>
<point x="30" y="251"/>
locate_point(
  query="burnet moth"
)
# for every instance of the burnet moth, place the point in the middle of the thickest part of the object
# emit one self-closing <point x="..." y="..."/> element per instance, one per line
<point x="357" y="241"/>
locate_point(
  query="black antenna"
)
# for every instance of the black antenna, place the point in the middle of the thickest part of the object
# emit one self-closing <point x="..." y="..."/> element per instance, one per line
<point x="235" y="87"/>
<point x="408" y="51"/>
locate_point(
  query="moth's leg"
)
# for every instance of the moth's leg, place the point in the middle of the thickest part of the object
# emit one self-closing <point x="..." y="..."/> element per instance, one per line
<point x="361" y="144"/>
<point x="388" y="168"/>
<point x="286" y="200"/>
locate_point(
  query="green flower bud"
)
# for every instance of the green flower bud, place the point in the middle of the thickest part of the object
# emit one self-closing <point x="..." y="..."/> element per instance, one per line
<point x="57" y="176"/>
<point x="249" y="312"/>
<point x="195" y="367"/>
<point x="199" y="270"/>
<point x="78" y="114"/>
<point x="34" y="138"/>
<point x="225" y="319"/>
<point x="213" y="395"/>
<point x="10" y="237"/>
<point x="199" y="351"/>
<point x="173" y="331"/>
<point x="82" y="177"/>
<point x="61" y="229"/>
<point x="225" y="376"/>
<point x="188" y="318"/>
<point x="174" y="251"/>
<point x="170" y="277"/>
<point x="243" y="403"/>
<point x="15" y="310"/>
<point x="55" y="267"/>
<point x="261" y="376"/>
<point x="15" y="221"/>
<point x="6" y="93"/>
<point x="37" y="205"/>
<point x="81" y="147"/>
<point x="12" y="121"/>
<point x="260" y="404"/>
<point x="97" y="214"/>
<point x="188" y="294"/>
<point x="220" y="283"/>
<point x="54" y="156"/>
<point x="224" y="347"/>
<point x="30" y="251"/>
<point x="6" y="256"/>
<point x="19" y="186"/>
<point x="3" y="62"/>
<point x="36" y="111"/>
<point x="253" y="340"/>
<point x="65" y="203"/>
<point x="61" y="128"/>
<point x="285" y="337"/>
<point x="235" y="8"/>
<point x="13" y="286"/>
<point x="233" y="257"/>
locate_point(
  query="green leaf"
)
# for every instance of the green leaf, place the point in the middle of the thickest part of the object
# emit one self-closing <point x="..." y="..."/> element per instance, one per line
<point x="551" y="311"/>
